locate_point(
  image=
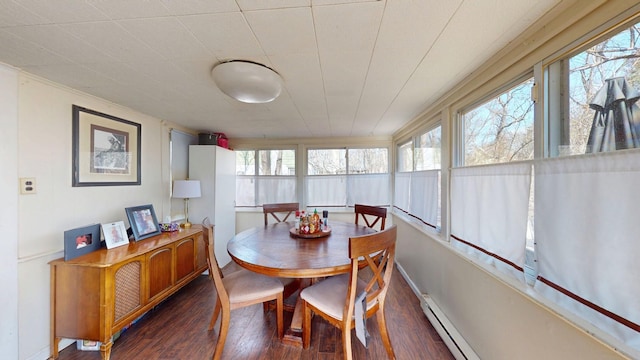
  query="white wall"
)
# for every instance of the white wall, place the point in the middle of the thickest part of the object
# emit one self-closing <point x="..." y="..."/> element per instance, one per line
<point x="9" y="213"/>
<point x="44" y="153"/>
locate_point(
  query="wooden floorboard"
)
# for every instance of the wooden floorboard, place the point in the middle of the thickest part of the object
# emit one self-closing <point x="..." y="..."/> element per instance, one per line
<point x="177" y="329"/>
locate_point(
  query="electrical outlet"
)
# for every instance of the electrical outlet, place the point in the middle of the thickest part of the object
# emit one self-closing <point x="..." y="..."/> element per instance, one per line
<point x="27" y="185"/>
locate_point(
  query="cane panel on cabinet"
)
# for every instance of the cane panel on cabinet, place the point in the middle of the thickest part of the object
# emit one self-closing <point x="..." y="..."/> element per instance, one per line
<point x="128" y="289"/>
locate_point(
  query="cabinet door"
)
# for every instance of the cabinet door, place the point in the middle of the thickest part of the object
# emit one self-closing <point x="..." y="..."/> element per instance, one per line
<point x="185" y="258"/>
<point x="160" y="270"/>
<point x="201" y="254"/>
<point x="78" y="296"/>
<point x="128" y="288"/>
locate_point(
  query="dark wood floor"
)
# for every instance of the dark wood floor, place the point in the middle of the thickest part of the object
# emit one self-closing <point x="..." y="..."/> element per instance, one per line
<point x="177" y="329"/>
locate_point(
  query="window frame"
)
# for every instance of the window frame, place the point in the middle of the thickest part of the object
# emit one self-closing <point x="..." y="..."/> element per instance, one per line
<point x="459" y="145"/>
<point x="413" y="140"/>
<point x="554" y="70"/>
<point x="347" y="175"/>
<point x="256" y="168"/>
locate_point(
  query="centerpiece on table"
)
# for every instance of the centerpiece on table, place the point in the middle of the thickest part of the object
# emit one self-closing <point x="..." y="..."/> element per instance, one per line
<point x="309" y="226"/>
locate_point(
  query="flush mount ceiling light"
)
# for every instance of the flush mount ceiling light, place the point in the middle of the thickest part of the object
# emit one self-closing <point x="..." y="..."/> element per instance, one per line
<point x="247" y="81"/>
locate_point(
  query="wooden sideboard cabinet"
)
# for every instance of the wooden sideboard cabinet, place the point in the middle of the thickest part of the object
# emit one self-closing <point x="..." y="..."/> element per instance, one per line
<point x="95" y="295"/>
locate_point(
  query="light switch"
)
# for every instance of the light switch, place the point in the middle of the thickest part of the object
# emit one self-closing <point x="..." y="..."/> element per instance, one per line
<point x="27" y="185"/>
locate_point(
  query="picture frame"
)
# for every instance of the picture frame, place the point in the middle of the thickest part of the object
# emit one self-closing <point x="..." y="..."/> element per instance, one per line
<point x="88" y="345"/>
<point x="143" y="221"/>
<point x="115" y="234"/>
<point x="106" y="149"/>
<point x="80" y="241"/>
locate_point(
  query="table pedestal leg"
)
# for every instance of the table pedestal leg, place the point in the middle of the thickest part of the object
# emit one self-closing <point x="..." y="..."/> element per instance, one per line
<point x="293" y="335"/>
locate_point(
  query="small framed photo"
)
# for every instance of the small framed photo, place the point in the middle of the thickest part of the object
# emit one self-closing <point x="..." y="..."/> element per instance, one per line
<point x="80" y="241"/>
<point x="143" y="221"/>
<point x="115" y="234"/>
<point x="88" y="345"/>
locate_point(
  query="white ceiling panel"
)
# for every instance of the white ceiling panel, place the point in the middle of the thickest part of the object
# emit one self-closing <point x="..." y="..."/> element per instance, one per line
<point x="247" y="5"/>
<point x="398" y="52"/>
<point x="338" y="2"/>
<point x="63" y="11"/>
<point x="352" y="27"/>
<point x="168" y="37"/>
<point x="227" y="36"/>
<point x="350" y="67"/>
<point x="199" y="6"/>
<point x="111" y="39"/>
<point x="284" y="31"/>
<point x="128" y="9"/>
<point x="59" y="41"/>
<point x="14" y="50"/>
<point x="13" y="14"/>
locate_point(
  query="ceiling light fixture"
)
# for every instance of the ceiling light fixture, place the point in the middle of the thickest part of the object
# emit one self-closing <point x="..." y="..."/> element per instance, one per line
<point x="247" y="81"/>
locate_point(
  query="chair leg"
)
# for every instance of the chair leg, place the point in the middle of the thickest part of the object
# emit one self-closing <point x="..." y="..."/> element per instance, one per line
<point x="222" y="337"/>
<point x="214" y="317"/>
<point x="346" y="342"/>
<point x="384" y="333"/>
<point x="306" y="325"/>
<point x="279" y="316"/>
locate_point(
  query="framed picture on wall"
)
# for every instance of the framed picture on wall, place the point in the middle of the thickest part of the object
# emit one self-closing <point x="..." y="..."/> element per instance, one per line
<point x="143" y="221"/>
<point x="80" y="241"/>
<point x="115" y="234"/>
<point x="106" y="149"/>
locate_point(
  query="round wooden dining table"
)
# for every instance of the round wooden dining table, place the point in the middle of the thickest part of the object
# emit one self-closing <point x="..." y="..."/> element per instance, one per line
<point x="274" y="250"/>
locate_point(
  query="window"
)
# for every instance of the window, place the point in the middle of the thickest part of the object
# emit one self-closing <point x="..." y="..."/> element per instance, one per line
<point x="405" y="157"/>
<point x="580" y="201"/>
<point x="326" y="161"/>
<point x="275" y="180"/>
<point x="501" y="129"/>
<point x="346" y="176"/>
<point x="427" y="150"/>
<point x="582" y="98"/>
<point x="417" y="181"/>
<point x="368" y="161"/>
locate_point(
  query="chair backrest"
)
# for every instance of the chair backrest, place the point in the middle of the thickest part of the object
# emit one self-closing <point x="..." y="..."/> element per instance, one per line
<point x="377" y="251"/>
<point x="281" y="208"/>
<point x="371" y="215"/>
<point x="212" y="262"/>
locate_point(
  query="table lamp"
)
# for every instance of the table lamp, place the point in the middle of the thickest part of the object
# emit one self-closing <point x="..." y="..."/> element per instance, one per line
<point x="186" y="189"/>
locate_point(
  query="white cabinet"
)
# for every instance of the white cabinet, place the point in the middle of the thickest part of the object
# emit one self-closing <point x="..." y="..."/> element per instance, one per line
<point x="215" y="167"/>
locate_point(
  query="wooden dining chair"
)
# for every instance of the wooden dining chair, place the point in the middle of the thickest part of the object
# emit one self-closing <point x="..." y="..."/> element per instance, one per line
<point x="276" y="211"/>
<point x="281" y="209"/>
<point x="371" y="215"/>
<point x="236" y="290"/>
<point x="334" y="298"/>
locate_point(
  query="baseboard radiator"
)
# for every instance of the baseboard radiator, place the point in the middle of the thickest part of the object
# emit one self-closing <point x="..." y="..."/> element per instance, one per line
<point x="454" y="341"/>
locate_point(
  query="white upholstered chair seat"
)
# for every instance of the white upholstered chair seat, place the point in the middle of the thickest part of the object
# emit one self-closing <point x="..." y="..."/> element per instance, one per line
<point x="329" y="295"/>
<point x="244" y="285"/>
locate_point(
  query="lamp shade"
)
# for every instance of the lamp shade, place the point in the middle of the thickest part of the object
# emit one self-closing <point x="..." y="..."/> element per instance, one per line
<point x="247" y="81"/>
<point x="186" y="189"/>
